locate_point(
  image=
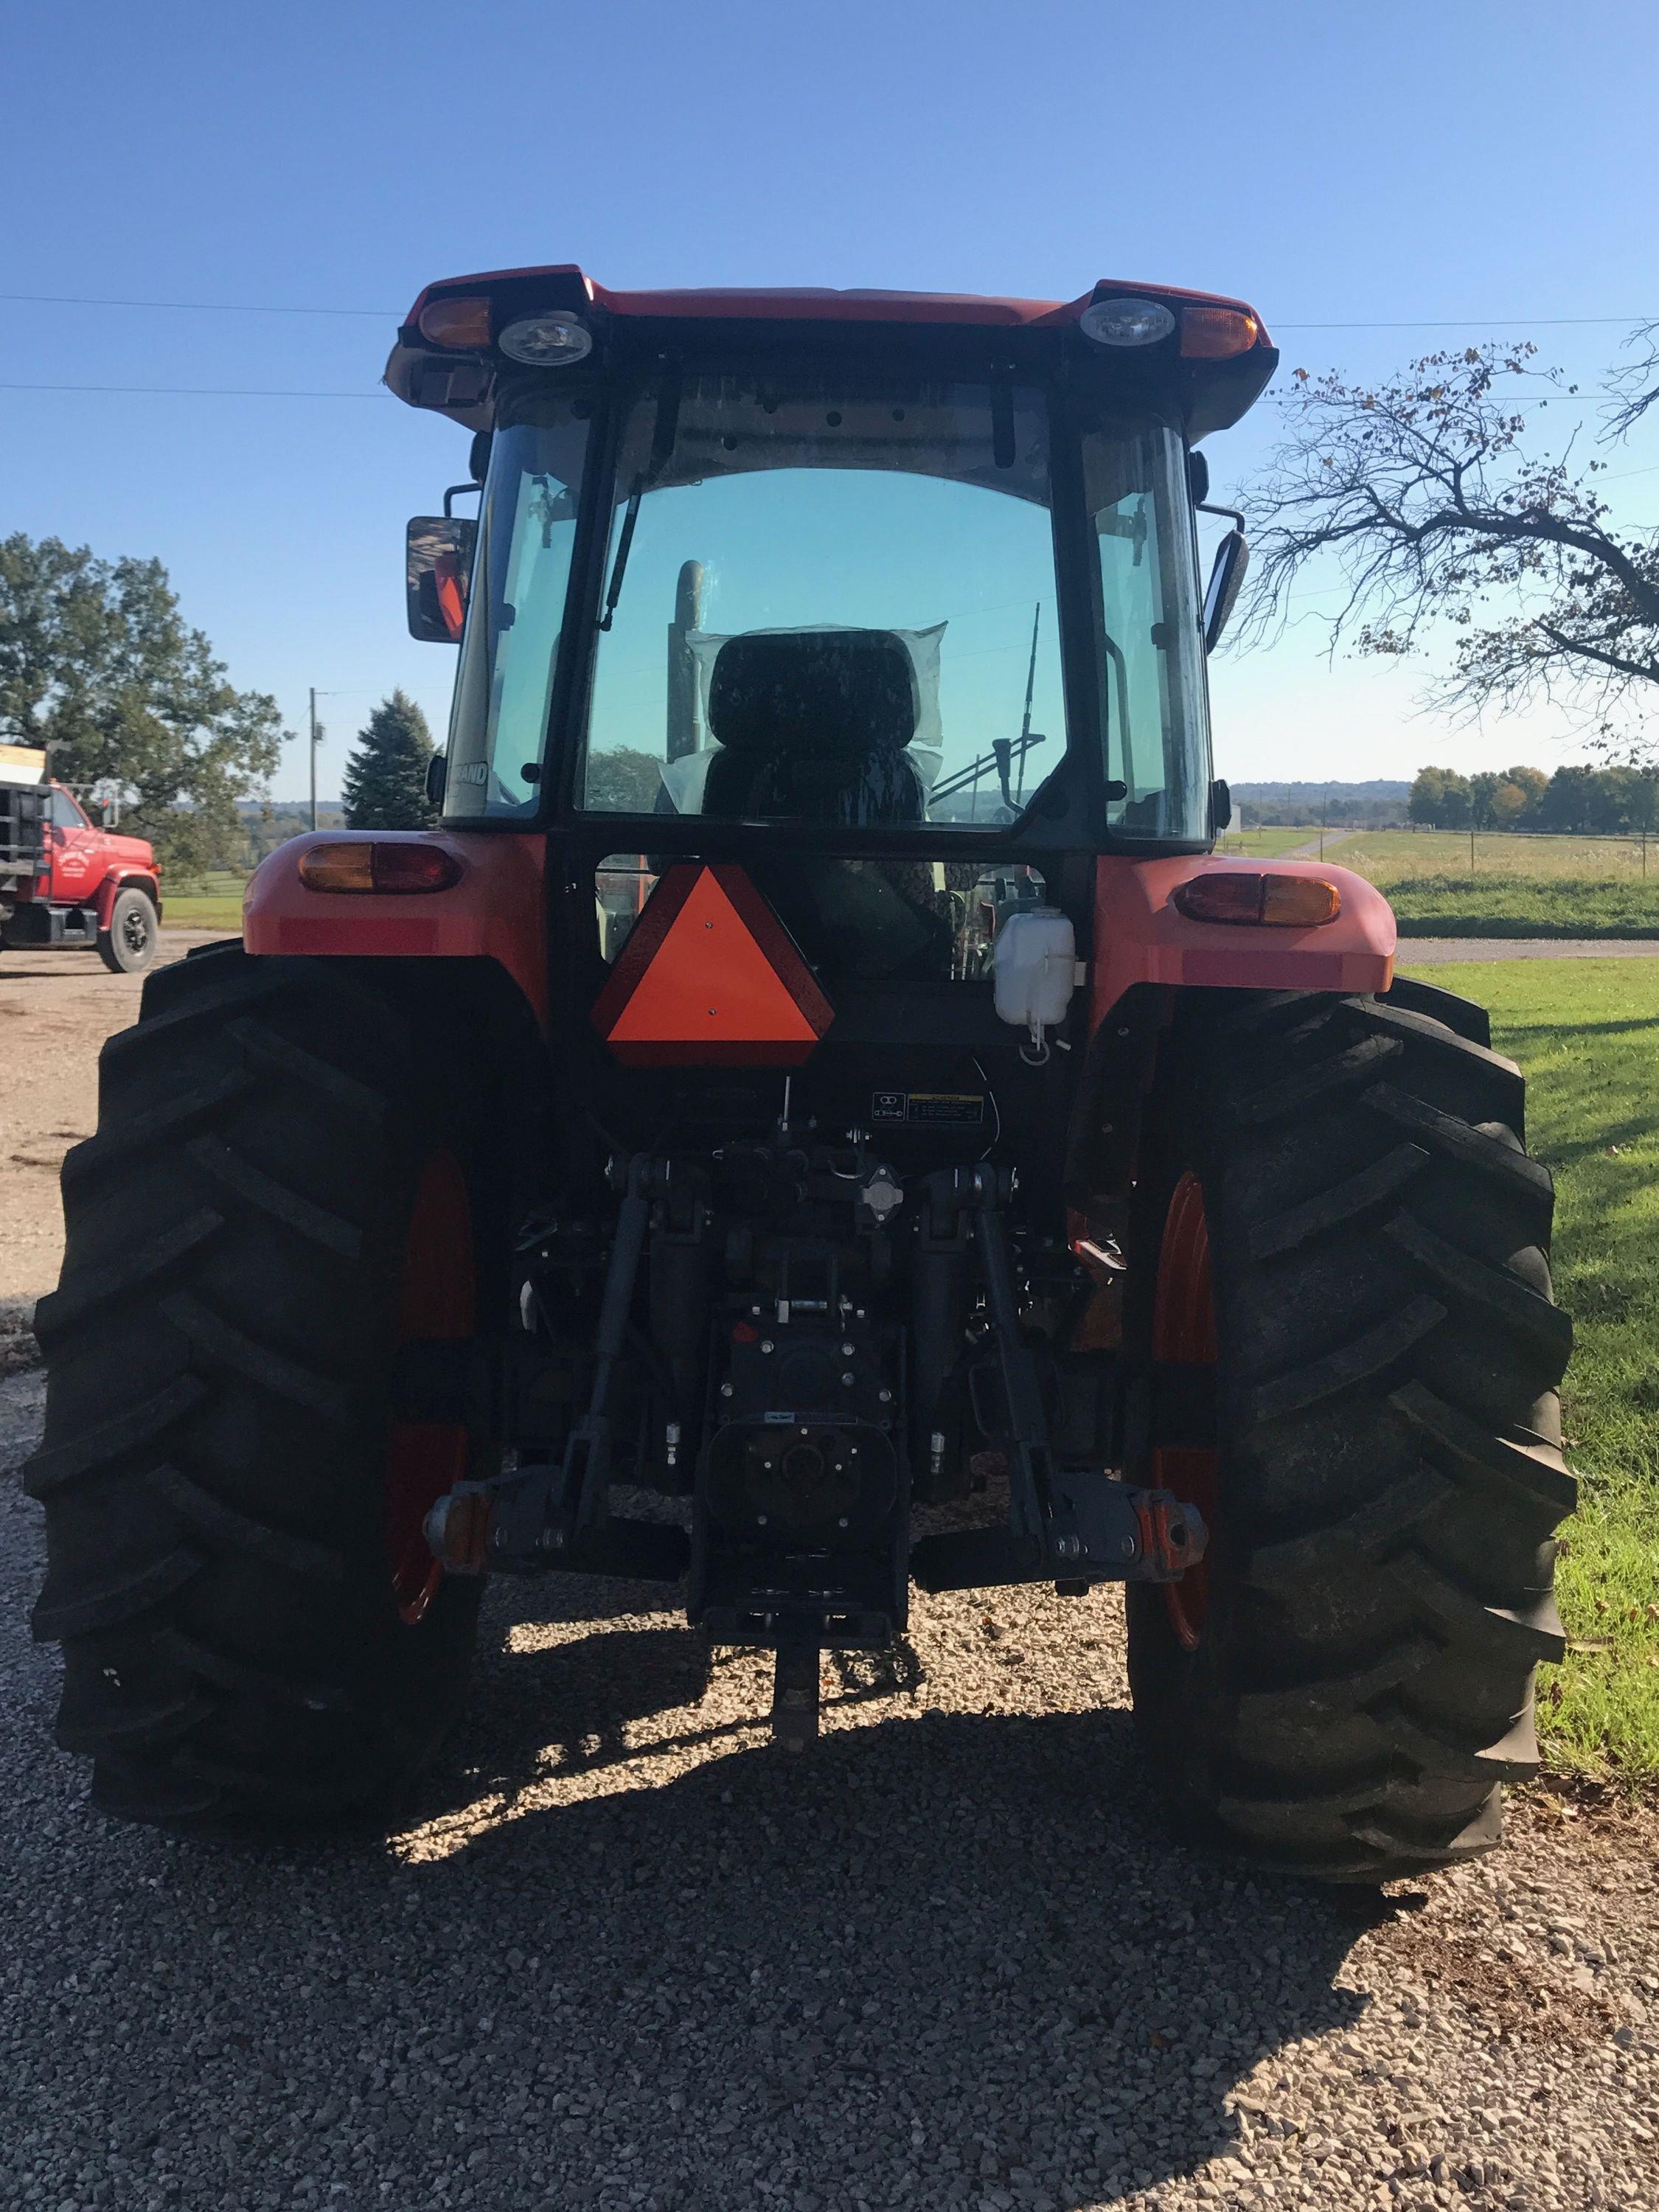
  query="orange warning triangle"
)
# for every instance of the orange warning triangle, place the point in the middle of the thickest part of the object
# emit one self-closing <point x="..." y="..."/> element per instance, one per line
<point x="710" y="988"/>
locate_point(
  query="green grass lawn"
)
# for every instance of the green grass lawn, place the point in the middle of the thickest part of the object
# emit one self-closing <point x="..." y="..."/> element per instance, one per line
<point x="213" y="901"/>
<point x="1587" y="1034"/>
<point x="1518" y="887"/>
<point x="201" y="911"/>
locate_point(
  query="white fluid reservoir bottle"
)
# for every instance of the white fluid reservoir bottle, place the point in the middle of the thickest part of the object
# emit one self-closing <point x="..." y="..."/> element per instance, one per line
<point x="1034" y="967"/>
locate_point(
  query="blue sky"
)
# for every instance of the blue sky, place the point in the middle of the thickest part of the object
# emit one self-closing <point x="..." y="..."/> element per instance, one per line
<point x="1482" y="166"/>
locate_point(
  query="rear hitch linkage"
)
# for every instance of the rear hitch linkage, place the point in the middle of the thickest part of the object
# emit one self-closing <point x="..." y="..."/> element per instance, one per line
<point x="1071" y="1527"/>
<point x="536" y="1518"/>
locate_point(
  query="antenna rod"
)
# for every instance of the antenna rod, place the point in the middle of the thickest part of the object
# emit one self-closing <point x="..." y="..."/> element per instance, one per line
<point x="1030" y="685"/>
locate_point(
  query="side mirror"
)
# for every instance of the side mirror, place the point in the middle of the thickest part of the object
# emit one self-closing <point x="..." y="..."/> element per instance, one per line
<point x="1226" y="581"/>
<point x="437" y="776"/>
<point x="437" y="566"/>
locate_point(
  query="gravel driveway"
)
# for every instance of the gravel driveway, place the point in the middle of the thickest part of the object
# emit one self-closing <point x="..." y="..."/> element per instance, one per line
<point x="626" y="1954"/>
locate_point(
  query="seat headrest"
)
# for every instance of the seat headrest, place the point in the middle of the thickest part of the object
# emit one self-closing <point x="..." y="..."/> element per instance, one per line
<point x="813" y="690"/>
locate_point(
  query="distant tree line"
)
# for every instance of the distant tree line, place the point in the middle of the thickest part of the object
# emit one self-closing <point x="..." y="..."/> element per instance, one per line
<point x="1594" y="801"/>
<point x="1378" y="805"/>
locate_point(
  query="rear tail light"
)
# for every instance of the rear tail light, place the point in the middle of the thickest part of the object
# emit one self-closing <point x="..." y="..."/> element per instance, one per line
<point x="1282" y="902"/>
<point x="373" y="866"/>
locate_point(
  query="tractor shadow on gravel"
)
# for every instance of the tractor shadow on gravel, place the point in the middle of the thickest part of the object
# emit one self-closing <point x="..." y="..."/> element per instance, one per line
<point x="959" y="1950"/>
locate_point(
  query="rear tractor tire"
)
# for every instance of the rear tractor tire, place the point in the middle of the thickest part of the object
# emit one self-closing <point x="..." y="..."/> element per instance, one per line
<point x="283" y="1209"/>
<point x="1342" y="1233"/>
<point x="128" y="946"/>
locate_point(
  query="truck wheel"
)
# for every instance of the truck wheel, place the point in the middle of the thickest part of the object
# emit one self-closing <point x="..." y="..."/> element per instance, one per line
<point x="128" y="945"/>
<point x="286" y="1208"/>
<point x="1341" y="1288"/>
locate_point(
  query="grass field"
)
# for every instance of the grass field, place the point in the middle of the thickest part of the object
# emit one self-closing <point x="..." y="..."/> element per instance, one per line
<point x="190" y="912"/>
<point x="1519" y="886"/>
<point x="1587" y="1034"/>
<point x="210" y="901"/>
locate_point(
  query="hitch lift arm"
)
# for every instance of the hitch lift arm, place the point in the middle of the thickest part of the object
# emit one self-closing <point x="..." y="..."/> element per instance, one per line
<point x="1063" y="1525"/>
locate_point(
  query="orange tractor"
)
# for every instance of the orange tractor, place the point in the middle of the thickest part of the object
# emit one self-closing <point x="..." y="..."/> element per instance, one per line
<point x="817" y="1114"/>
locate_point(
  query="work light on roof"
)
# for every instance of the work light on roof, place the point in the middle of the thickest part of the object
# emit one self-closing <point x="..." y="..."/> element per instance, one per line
<point x="1126" y="322"/>
<point x="552" y="341"/>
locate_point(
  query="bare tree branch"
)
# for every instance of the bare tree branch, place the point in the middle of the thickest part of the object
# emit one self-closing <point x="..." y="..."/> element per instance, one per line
<point x="1423" y="503"/>
<point x="1636" y="381"/>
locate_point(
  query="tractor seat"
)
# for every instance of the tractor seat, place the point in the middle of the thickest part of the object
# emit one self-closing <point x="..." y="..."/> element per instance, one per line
<point x="812" y="727"/>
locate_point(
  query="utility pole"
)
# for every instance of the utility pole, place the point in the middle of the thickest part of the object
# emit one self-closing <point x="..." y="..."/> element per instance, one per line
<point x="313" y="750"/>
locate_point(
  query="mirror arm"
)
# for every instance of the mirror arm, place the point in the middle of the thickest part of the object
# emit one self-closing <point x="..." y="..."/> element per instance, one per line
<point x="1231" y="513"/>
<point x="448" y="512"/>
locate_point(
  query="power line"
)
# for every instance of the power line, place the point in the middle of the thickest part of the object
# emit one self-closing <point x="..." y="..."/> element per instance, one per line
<point x="199" y="391"/>
<point x="191" y="306"/>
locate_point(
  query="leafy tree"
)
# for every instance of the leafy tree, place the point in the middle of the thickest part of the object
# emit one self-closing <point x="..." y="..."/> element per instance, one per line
<point x="1532" y="781"/>
<point x="1509" y="803"/>
<point x="1570" y="800"/>
<point x="1425" y="494"/>
<point x="1440" y="799"/>
<point x="96" y="662"/>
<point x="384" y="787"/>
<point x="623" y="781"/>
<point x="1483" y="792"/>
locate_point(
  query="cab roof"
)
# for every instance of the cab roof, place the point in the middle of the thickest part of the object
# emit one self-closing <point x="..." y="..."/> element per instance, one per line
<point x="1220" y="356"/>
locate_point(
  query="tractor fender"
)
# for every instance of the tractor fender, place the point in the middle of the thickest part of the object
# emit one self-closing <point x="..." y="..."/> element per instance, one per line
<point x="1142" y="937"/>
<point x="495" y="911"/>
<point x="1148" y="954"/>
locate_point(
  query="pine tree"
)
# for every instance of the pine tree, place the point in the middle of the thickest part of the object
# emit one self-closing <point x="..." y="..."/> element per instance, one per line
<point x="384" y="787"/>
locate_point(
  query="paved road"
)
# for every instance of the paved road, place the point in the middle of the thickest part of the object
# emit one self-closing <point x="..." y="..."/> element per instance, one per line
<point x="1441" y="952"/>
<point x="1317" y="848"/>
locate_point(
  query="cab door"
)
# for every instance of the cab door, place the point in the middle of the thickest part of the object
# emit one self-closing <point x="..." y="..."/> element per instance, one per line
<point x="76" y="862"/>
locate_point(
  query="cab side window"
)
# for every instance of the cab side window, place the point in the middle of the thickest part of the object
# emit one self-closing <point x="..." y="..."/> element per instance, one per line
<point x="65" y="814"/>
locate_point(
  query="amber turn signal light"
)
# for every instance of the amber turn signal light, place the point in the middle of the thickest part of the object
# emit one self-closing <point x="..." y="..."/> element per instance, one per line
<point x="373" y="866"/>
<point x="463" y="322"/>
<point x="1282" y="902"/>
<point x="1213" y="333"/>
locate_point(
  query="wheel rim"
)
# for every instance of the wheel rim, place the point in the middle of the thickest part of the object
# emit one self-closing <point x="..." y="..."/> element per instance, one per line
<point x="1184" y="1331"/>
<point x="135" y="930"/>
<point x="437" y="1305"/>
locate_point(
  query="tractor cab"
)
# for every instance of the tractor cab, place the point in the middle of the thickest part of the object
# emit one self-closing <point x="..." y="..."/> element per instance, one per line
<point x="855" y="574"/>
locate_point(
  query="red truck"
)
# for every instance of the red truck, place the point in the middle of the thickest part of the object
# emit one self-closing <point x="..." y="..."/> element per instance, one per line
<point x="64" y="879"/>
